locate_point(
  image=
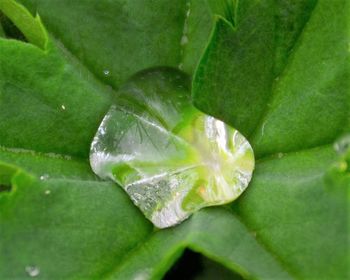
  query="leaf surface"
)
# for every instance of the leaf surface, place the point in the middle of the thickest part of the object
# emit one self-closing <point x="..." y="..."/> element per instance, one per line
<point x="122" y="37"/>
<point x="66" y="233"/>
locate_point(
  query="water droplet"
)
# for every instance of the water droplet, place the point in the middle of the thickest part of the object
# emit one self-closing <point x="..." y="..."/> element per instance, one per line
<point x="143" y="275"/>
<point x="170" y="176"/>
<point x="47" y="192"/>
<point x="263" y="129"/>
<point x="280" y="155"/>
<point x="342" y="145"/>
<point x="32" y="271"/>
<point x="184" y="40"/>
<point x="106" y="72"/>
<point x="44" y="177"/>
<point x="63" y="107"/>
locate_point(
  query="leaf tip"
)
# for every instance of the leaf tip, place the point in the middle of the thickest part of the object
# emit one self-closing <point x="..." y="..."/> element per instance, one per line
<point x="31" y="26"/>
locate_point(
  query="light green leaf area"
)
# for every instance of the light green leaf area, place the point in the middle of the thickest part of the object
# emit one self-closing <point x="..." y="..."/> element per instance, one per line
<point x="31" y="27"/>
<point x="277" y="71"/>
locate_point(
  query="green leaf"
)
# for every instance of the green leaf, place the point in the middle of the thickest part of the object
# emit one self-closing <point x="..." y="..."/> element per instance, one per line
<point x="120" y="38"/>
<point x="308" y="97"/>
<point x="201" y="234"/>
<point x="48" y="94"/>
<point x="277" y="70"/>
<point x="263" y="41"/>
<point x="31" y="27"/>
<point x="82" y="225"/>
<point x="294" y="214"/>
<point x="57" y="225"/>
<point x="246" y="52"/>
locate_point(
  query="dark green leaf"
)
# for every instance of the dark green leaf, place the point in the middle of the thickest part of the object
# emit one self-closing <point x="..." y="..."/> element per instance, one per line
<point x="234" y="76"/>
<point x="293" y="213"/>
<point x="47" y="94"/>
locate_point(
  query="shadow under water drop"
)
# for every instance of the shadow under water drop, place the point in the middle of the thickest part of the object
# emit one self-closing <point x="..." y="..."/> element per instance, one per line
<point x="194" y="266"/>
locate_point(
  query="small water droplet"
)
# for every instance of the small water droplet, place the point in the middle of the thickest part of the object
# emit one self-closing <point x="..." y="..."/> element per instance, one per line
<point x="32" y="270"/>
<point x="184" y="40"/>
<point x="343" y="144"/>
<point x="63" y="107"/>
<point x="47" y="192"/>
<point x="263" y="129"/>
<point x="142" y="275"/>
<point x="44" y="177"/>
<point x="106" y="72"/>
<point x="280" y="155"/>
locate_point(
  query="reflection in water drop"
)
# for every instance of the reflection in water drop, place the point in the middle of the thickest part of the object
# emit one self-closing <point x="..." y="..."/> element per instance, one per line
<point x="106" y="72"/>
<point x="32" y="271"/>
<point x="63" y="107"/>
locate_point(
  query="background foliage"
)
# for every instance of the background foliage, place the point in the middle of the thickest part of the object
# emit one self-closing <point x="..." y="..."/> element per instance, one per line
<point x="277" y="70"/>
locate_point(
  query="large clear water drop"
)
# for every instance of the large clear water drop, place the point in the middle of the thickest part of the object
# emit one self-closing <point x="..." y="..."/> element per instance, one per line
<point x="170" y="158"/>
